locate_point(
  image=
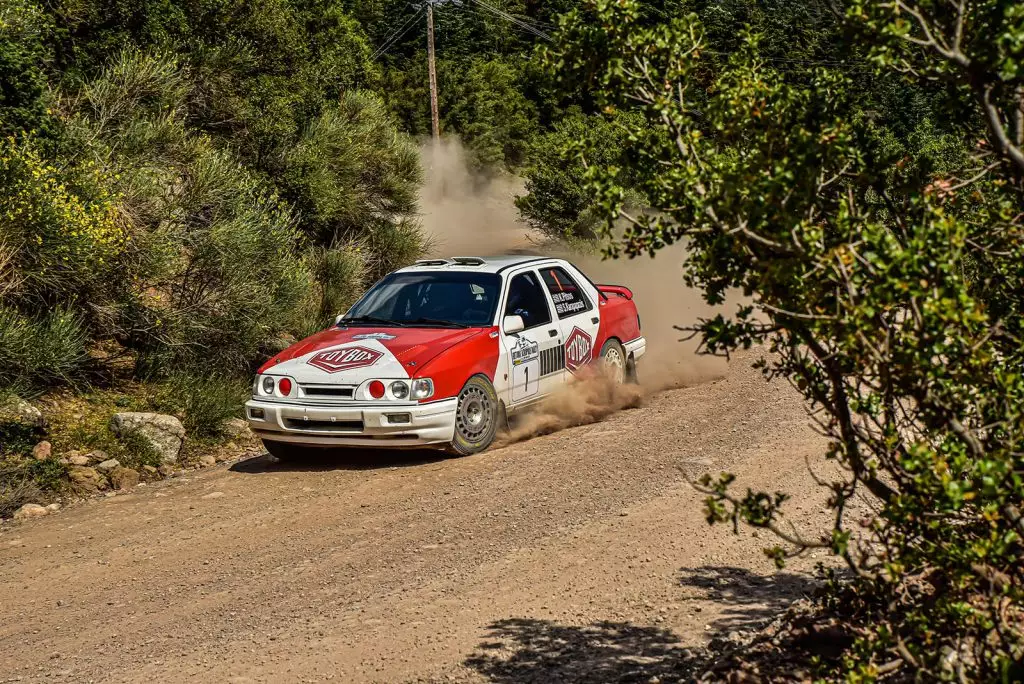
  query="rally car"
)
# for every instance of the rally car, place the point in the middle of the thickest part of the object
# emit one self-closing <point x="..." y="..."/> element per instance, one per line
<point x="439" y="353"/>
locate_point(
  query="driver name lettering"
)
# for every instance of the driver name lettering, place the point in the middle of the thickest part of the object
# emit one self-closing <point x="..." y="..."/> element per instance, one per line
<point x="566" y="302"/>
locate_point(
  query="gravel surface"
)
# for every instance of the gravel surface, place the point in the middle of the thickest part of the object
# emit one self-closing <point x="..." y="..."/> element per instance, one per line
<point x="578" y="556"/>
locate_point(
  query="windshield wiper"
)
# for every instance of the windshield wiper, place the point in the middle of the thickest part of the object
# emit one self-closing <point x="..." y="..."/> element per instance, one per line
<point x="370" y="319"/>
<point x="437" y="321"/>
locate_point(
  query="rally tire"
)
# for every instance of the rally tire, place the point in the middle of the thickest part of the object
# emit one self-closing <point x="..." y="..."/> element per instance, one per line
<point x="477" y="415"/>
<point x="614" y="361"/>
<point x="290" y="453"/>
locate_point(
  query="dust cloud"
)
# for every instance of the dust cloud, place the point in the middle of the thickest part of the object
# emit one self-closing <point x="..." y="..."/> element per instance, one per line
<point x="465" y="215"/>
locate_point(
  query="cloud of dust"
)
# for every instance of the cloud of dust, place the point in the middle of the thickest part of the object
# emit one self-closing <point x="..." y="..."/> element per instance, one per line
<point x="588" y="398"/>
<point x="466" y="215"/>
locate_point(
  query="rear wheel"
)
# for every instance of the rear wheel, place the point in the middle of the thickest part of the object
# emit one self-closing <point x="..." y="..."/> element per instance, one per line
<point x="477" y="415"/>
<point x="613" y="359"/>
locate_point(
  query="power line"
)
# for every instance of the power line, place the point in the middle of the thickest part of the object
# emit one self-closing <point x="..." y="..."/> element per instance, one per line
<point x="508" y="17"/>
<point x="397" y="35"/>
<point x="480" y="11"/>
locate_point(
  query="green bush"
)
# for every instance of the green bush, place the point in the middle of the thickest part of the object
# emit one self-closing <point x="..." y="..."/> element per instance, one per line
<point x="39" y="352"/>
<point x="340" y="274"/>
<point x="215" y="267"/>
<point x="559" y="202"/>
<point x="16" y="489"/>
<point x="881" y="250"/>
<point x="205" y="402"/>
<point x="352" y="171"/>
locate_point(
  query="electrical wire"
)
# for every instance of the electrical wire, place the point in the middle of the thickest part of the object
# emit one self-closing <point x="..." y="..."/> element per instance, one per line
<point x="508" y="17"/>
<point x="397" y="35"/>
<point x="482" y="12"/>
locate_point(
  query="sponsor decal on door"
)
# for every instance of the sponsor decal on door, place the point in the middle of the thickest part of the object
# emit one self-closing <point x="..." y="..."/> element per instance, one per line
<point x="336" y="360"/>
<point x="579" y="349"/>
<point x="525" y="358"/>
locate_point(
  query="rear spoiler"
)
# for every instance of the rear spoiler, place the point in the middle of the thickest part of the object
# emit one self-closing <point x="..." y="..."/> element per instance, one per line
<point x="615" y="291"/>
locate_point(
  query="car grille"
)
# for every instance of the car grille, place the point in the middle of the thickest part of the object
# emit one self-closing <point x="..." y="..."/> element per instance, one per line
<point x="336" y="392"/>
<point x="324" y="425"/>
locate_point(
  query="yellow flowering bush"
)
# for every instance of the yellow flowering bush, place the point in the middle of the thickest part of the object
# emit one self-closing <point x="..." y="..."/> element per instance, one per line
<point x="62" y="223"/>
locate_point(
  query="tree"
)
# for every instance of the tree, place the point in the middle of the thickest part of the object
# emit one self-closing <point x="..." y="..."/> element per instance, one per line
<point x="558" y="201"/>
<point x="884" y="255"/>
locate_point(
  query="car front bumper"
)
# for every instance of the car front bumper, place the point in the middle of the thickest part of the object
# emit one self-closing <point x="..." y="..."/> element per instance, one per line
<point x="359" y="425"/>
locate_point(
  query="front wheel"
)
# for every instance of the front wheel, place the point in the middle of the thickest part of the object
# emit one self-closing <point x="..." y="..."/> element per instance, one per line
<point x="613" y="360"/>
<point x="477" y="415"/>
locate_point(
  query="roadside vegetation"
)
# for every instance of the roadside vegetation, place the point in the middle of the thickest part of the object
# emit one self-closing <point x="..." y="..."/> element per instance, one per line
<point x="859" y="177"/>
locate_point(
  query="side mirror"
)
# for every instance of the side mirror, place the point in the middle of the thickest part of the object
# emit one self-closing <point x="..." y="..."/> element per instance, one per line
<point x="512" y="324"/>
<point x="338" y="318"/>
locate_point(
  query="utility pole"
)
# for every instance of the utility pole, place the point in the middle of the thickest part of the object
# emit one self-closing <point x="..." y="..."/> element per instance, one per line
<point x="435" y="121"/>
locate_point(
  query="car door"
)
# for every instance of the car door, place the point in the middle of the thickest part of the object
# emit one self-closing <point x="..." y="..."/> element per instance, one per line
<point x="578" y="316"/>
<point x="534" y="355"/>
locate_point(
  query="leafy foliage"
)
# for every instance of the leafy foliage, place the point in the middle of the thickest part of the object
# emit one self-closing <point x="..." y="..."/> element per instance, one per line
<point x="883" y="251"/>
<point x="558" y="201"/>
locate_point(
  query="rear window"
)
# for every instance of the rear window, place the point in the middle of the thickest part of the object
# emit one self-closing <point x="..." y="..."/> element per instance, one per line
<point x="569" y="299"/>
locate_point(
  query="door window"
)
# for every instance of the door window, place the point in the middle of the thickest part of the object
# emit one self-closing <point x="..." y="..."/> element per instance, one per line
<point x="569" y="299"/>
<point x="526" y="298"/>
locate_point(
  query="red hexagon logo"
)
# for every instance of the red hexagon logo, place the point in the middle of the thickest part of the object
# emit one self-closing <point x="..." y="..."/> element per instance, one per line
<point x="579" y="349"/>
<point x="336" y="360"/>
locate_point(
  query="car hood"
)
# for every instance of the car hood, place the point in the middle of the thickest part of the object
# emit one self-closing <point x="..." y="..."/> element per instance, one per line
<point x="351" y="355"/>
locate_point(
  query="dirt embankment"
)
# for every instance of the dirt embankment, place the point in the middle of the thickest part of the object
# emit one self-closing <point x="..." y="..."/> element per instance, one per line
<point x="577" y="556"/>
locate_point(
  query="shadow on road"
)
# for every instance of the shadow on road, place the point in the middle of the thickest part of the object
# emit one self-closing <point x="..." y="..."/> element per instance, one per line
<point x="750" y="599"/>
<point x="523" y="651"/>
<point x="527" y="651"/>
<point x="341" y="459"/>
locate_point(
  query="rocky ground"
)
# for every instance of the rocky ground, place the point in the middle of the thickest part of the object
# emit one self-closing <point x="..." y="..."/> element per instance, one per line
<point x="581" y="556"/>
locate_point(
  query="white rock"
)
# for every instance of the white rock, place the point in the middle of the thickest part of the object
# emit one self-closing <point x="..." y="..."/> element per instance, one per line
<point x="30" y="511"/>
<point x="53" y="508"/>
<point x="78" y="460"/>
<point x="108" y="465"/>
<point x="164" y="434"/>
<point x="42" y="451"/>
<point x="207" y="461"/>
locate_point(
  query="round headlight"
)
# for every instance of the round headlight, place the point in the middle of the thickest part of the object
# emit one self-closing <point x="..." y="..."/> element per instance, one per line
<point x="399" y="389"/>
<point x="268" y="385"/>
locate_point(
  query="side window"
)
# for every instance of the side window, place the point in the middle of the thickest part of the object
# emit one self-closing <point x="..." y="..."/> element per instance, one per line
<point x="569" y="299"/>
<point x="526" y="298"/>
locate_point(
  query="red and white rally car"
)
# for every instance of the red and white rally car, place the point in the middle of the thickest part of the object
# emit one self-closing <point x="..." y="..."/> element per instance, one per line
<point x="435" y="353"/>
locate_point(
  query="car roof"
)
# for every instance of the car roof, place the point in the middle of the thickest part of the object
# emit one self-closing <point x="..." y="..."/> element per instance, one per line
<point x="490" y="264"/>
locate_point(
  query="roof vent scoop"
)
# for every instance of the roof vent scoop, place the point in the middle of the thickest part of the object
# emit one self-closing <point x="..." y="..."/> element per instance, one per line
<point x="432" y="262"/>
<point x="468" y="261"/>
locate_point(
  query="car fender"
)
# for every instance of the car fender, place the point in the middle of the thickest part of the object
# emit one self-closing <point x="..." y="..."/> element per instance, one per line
<point x="452" y="367"/>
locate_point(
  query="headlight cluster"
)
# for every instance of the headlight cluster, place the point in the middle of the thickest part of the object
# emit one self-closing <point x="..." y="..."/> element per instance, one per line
<point x="400" y="390"/>
<point x="271" y="386"/>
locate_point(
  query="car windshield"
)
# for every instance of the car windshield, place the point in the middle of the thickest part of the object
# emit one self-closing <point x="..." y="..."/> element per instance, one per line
<point x="443" y="299"/>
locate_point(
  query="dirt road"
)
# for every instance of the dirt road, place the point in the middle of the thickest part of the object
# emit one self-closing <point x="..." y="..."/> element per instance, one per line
<point x="579" y="556"/>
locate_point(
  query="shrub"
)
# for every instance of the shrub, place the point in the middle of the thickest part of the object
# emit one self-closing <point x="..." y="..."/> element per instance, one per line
<point x="340" y="275"/>
<point x="352" y="171"/>
<point x="215" y="265"/>
<point x="59" y="233"/>
<point x="883" y="255"/>
<point x="16" y="489"/>
<point x="38" y="352"/>
<point x="205" y="402"/>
